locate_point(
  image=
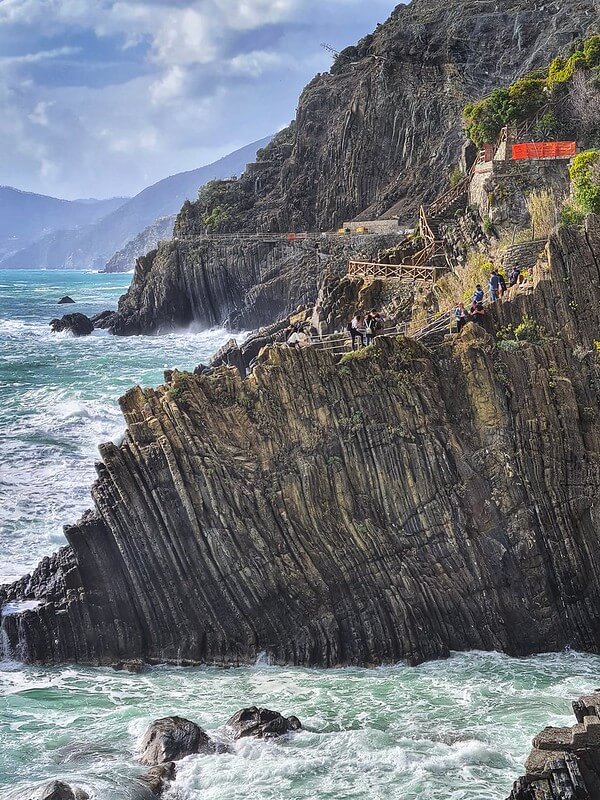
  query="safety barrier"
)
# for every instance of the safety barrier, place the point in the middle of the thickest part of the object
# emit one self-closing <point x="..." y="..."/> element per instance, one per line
<point x="535" y="150"/>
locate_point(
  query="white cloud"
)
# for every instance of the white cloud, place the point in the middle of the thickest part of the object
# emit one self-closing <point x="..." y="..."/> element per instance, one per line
<point x="41" y="55"/>
<point x="167" y="85"/>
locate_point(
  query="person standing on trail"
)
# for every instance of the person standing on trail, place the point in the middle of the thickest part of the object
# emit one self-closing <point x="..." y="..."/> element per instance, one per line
<point x="495" y="286"/>
<point x="461" y="316"/>
<point x="478" y="295"/>
<point x="513" y="276"/>
<point x="371" y="321"/>
<point x="357" y="329"/>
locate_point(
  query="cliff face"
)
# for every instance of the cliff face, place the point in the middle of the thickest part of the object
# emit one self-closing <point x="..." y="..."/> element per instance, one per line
<point x="241" y="283"/>
<point x="395" y="506"/>
<point x="377" y="135"/>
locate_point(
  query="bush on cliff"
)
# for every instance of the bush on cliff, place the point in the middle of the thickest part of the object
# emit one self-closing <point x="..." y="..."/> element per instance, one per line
<point x="527" y="96"/>
<point x="585" y="179"/>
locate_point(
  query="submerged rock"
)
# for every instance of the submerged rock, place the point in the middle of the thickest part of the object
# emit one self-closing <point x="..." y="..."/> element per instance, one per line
<point x="171" y="739"/>
<point x="65" y="299"/>
<point x="260" y="723"/>
<point x="77" y="324"/>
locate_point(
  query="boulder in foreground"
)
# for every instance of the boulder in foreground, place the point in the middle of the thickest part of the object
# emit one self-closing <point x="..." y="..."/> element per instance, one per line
<point x="78" y="324"/>
<point x="261" y="723"/>
<point x="171" y="739"/>
<point x="57" y="790"/>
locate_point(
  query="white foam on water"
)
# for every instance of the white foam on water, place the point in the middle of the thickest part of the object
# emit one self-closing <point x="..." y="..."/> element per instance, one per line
<point x="18" y="606"/>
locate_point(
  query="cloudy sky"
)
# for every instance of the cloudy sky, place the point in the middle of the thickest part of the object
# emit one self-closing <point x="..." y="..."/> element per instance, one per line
<point x="103" y="97"/>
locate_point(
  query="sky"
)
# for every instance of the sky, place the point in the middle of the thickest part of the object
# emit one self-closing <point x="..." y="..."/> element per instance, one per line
<point x="100" y="98"/>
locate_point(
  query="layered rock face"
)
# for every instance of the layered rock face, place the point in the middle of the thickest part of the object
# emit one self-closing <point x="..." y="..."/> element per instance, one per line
<point x="377" y="135"/>
<point x="397" y="505"/>
<point x="241" y="283"/>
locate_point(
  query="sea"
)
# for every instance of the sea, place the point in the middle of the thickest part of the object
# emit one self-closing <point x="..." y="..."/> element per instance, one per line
<point x="458" y="729"/>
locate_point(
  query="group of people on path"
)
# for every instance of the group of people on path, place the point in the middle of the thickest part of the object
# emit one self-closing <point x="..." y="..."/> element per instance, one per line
<point x="497" y="286"/>
<point x="364" y="327"/>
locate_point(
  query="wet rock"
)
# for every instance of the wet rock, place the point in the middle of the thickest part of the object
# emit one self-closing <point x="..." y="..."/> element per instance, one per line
<point x="171" y="739"/>
<point x="78" y="324"/>
<point x="260" y="723"/>
<point x="57" y="790"/>
<point x="157" y="778"/>
<point x="65" y="299"/>
<point x="103" y="319"/>
<point x="134" y="665"/>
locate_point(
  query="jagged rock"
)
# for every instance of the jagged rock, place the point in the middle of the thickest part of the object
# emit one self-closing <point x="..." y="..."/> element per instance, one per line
<point x="157" y="778"/>
<point x="57" y="790"/>
<point x="77" y="324"/>
<point x="260" y="723"/>
<point x="65" y="299"/>
<point x="349" y="513"/>
<point x="230" y="355"/>
<point x="103" y="319"/>
<point x="171" y="739"/>
<point x="239" y="283"/>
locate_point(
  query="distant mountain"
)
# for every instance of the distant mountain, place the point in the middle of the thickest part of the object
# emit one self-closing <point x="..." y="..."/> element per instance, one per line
<point x="90" y="247"/>
<point x="124" y="259"/>
<point x="26" y="217"/>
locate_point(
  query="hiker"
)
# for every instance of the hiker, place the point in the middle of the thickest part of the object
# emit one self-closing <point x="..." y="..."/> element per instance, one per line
<point x="373" y="323"/>
<point x="478" y="296"/>
<point x="514" y="276"/>
<point x="461" y="317"/>
<point x="502" y="284"/>
<point x="298" y="337"/>
<point x="357" y="329"/>
<point x="478" y="314"/>
<point x="495" y="286"/>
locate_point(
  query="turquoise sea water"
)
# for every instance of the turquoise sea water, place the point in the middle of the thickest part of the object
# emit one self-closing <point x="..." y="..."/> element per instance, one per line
<point x="457" y="729"/>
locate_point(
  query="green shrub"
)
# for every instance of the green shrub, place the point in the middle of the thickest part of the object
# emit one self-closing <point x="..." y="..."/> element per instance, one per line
<point x="585" y="177"/>
<point x="569" y="215"/>
<point x="528" y="330"/>
<point x="486" y="118"/>
<point x="591" y="50"/>
<point x="527" y="96"/>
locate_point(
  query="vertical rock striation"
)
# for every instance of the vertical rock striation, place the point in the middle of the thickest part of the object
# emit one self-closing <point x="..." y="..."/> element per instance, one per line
<point x="399" y="505"/>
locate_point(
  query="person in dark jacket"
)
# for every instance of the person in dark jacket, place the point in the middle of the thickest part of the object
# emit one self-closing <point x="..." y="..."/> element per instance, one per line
<point x="495" y="286"/>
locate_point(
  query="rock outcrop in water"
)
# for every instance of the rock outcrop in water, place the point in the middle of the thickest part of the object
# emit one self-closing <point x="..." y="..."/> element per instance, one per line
<point x="377" y="135"/>
<point x="77" y="324"/>
<point x="399" y="504"/>
<point x="564" y="763"/>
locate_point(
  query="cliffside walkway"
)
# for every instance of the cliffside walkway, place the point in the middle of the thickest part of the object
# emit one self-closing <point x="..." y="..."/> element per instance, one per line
<point x="429" y="263"/>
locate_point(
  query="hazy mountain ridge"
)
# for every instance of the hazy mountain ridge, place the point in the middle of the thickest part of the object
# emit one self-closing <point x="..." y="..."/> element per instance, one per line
<point x="92" y="245"/>
<point x="27" y="216"/>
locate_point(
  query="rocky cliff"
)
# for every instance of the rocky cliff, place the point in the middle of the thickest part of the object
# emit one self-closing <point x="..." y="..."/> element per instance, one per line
<point x="397" y="504"/>
<point x="377" y="135"/>
<point x="241" y="283"/>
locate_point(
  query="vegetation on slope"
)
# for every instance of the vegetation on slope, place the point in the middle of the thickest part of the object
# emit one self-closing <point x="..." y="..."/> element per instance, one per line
<point x="567" y="85"/>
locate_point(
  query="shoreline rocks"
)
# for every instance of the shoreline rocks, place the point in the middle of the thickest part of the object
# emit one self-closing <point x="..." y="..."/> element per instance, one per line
<point x="78" y="324"/>
<point x="64" y="300"/>
<point x="260" y="723"/>
<point x="171" y="739"/>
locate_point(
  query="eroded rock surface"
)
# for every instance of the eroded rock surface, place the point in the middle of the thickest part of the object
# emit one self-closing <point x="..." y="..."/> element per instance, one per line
<point x="171" y="739"/>
<point x="397" y="506"/>
<point x="260" y="723"/>
<point x="77" y="324"/>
